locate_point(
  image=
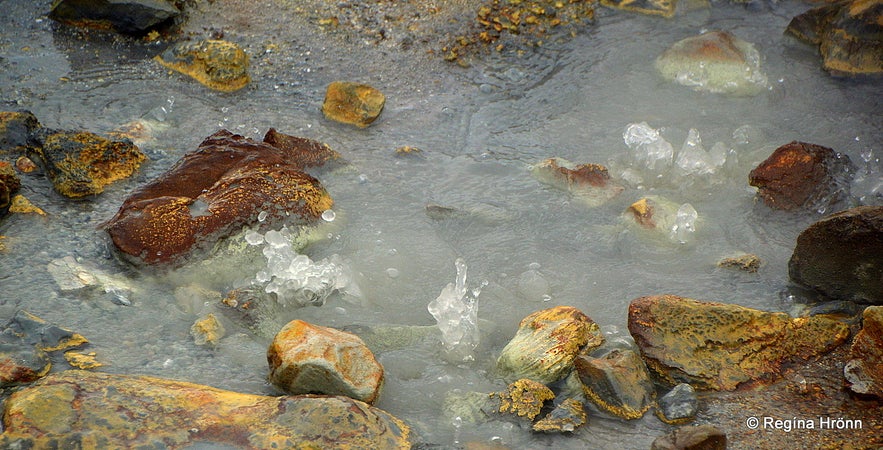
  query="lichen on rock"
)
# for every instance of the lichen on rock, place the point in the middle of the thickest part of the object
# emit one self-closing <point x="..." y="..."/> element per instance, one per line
<point x="219" y="65"/>
<point x="352" y="103"/>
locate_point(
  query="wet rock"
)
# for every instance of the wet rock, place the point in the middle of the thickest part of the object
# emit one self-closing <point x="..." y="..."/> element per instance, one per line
<point x="383" y="338"/>
<point x="840" y="256"/>
<point x="81" y="163"/>
<point x="16" y="128"/>
<point x="715" y="61"/>
<point x="25" y="343"/>
<point x="745" y="262"/>
<point x="306" y="152"/>
<point x="213" y="192"/>
<point x="720" y="346"/>
<point x="801" y="175"/>
<point x="352" y="103"/>
<point x="21" y="205"/>
<point x="409" y="151"/>
<point x="546" y="344"/>
<point x="679" y="405"/>
<point x="72" y="276"/>
<point x="524" y="398"/>
<point x="664" y="8"/>
<point x="36" y="331"/>
<point x="218" y="65"/>
<point x="207" y="330"/>
<point x="663" y="217"/>
<point x="306" y="358"/>
<point x="847" y="33"/>
<point x="81" y="360"/>
<point x="567" y="416"/>
<point x="25" y="165"/>
<point x="864" y="369"/>
<point x="617" y="383"/>
<point x="588" y="182"/>
<point x="470" y="407"/>
<point x="9" y="185"/>
<point x="97" y="410"/>
<point x="705" y="437"/>
<point x="125" y="16"/>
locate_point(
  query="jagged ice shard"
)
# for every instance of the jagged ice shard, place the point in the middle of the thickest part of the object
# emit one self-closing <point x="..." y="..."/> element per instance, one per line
<point x="456" y="311"/>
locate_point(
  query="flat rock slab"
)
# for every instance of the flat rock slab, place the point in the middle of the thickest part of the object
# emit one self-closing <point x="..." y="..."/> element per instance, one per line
<point x="720" y="346"/>
<point x="79" y="409"/>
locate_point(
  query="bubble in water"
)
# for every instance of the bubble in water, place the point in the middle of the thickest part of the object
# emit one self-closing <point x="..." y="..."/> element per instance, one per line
<point x="254" y="238"/>
<point x="392" y="272"/>
<point x="328" y="215"/>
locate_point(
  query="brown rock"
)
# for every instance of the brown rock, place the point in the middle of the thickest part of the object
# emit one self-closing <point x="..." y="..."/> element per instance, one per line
<point x="617" y="383"/>
<point x="214" y="191"/>
<point x="799" y="175"/>
<point x="207" y="330"/>
<point x="745" y="262"/>
<point x="219" y="65"/>
<point x="700" y="437"/>
<point x="588" y="182"/>
<point x="81" y="409"/>
<point x="719" y="346"/>
<point x="306" y="358"/>
<point x="352" y="103"/>
<point x="864" y="370"/>
<point x="840" y="255"/>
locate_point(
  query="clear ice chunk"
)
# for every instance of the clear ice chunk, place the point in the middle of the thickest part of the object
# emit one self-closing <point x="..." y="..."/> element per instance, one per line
<point x="685" y="224"/>
<point x="456" y="311"/>
<point x="648" y="147"/>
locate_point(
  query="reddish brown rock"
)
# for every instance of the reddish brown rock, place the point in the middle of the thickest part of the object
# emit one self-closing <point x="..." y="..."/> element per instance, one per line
<point x="841" y="256"/>
<point x="864" y="370"/>
<point x="214" y="191"/>
<point x="799" y="175"/>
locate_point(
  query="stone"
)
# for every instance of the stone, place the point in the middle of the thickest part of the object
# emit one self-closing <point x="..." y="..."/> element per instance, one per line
<point x="617" y="383"/>
<point x="213" y="192"/>
<point x="546" y="343"/>
<point x="207" y="330"/>
<point x="25" y="343"/>
<point x="352" y="103"/>
<point x="9" y="185"/>
<point x="306" y="358"/>
<point x="746" y="262"/>
<point x="218" y="65"/>
<point x="524" y="398"/>
<point x="21" y="205"/>
<point x="720" y="346"/>
<point x="716" y="62"/>
<point x="124" y="16"/>
<point x="801" y="175"/>
<point x="678" y="406"/>
<point x="16" y="128"/>
<point x="848" y="34"/>
<point x="25" y="165"/>
<point x="82" y="360"/>
<point x="704" y="437"/>
<point x="588" y="182"/>
<point x="664" y="8"/>
<point x="840" y="256"/>
<point x="81" y="164"/>
<point x="658" y="217"/>
<point x="864" y="369"/>
<point x="83" y="409"/>
<point x="567" y="416"/>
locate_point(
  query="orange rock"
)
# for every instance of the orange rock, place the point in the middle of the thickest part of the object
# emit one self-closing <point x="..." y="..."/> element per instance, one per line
<point x="352" y="103"/>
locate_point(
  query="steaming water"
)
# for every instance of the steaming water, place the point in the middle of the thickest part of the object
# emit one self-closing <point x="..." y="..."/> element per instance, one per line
<point x="480" y="129"/>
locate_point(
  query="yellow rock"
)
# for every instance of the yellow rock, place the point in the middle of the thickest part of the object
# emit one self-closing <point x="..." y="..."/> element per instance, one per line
<point x="22" y="205"/>
<point x="219" y="65"/>
<point x="524" y="398"/>
<point x="207" y="330"/>
<point x="82" y="360"/>
<point x="352" y="103"/>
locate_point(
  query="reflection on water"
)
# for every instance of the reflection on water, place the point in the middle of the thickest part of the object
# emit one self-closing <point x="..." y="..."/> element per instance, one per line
<point x="480" y="129"/>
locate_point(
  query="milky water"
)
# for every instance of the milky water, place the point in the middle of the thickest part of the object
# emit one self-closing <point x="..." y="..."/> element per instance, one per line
<point x="480" y="129"/>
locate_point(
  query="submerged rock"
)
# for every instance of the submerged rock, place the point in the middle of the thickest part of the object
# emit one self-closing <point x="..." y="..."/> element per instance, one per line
<point x="213" y="192"/>
<point x="306" y="358"/>
<point x="664" y="8"/>
<point x="719" y="346"/>
<point x="546" y="344"/>
<point x="705" y="437"/>
<point x="97" y="410"/>
<point x="218" y="65"/>
<point x="864" y="369"/>
<point x="801" y="175"/>
<point x="664" y="217"/>
<point x="207" y="330"/>
<point x="352" y="103"/>
<point x="848" y="34"/>
<point x="25" y="344"/>
<point x="715" y="61"/>
<point x="617" y="383"/>
<point x="125" y="16"/>
<point x="588" y="182"/>
<point x="524" y="398"/>
<point x="746" y="262"/>
<point x="841" y="256"/>
<point x="679" y="405"/>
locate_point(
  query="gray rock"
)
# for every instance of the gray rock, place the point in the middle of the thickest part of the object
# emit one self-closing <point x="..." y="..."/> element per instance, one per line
<point x="618" y="383"/>
<point x="702" y="437"/>
<point x="125" y="16"/>
<point x="679" y="405"/>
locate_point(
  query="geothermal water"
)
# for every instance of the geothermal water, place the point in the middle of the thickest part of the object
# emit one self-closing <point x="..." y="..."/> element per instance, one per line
<point x="381" y="257"/>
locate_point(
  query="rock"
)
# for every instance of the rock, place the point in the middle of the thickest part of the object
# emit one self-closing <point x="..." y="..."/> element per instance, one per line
<point x="864" y="369"/>
<point x="617" y="383"/>
<point x="470" y="407"/>
<point x="207" y="330"/>
<point x="306" y="358"/>
<point x="524" y="398"/>
<point x="21" y="205"/>
<point x="81" y="360"/>
<point x="715" y="61"/>
<point x="213" y="192"/>
<point x="81" y="163"/>
<point x="588" y="182"/>
<point x="679" y="405"/>
<point x="25" y="342"/>
<point x="745" y="262"/>
<point x="124" y="16"/>
<point x="25" y="165"/>
<point x="566" y="417"/>
<point x="546" y="344"/>
<point x="664" y="8"/>
<point x="663" y="217"/>
<point x="9" y="185"/>
<point x="848" y="34"/>
<point x="704" y="437"/>
<point x="72" y="276"/>
<point x="97" y="410"/>
<point x="801" y="175"/>
<point x="46" y="336"/>
<point x="719" y="346"/>
<point x="840" y="256"/>
<point x="218" y="65"/>
<point x="16" y="128"/>
<point x="352" y="103"/>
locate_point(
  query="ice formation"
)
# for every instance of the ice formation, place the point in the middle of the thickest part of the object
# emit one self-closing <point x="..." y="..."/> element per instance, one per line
<point x="456" y="311"/>
<point x="685" y="224"/>
<point x="651" y="152"/>
<point x="648" y="147"/>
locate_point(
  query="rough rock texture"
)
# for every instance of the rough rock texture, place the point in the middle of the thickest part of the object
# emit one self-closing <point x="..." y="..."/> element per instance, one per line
<point x="617" y="383"/>
<point x="664" y="8"/>
<point x="352" y="103"/>
<point x="589" y="182"/>
<point x="76" y="409"/>
<point x="125" y="16"/>
<point x="679" y="405"/>
<point x="849" y="35"/>
<point x="546" y="343"/>
<point x="81" y="163"/>
<point x="800" y="175"/>
<point x="215" y="191"/>
<point x="746" y="262"/>
<point x="207" y="330"/>
<point x="864" y="370"/>
<point x="25" y="342"/>
<point x="701" y="437"/>
<point x="715" y="61"/>
<point x="9" y="185"/>
<point x="524" y="398"/>
<point x="720" y="346"/>
<point x="566" y="416"/>
<point x="219" y="65"/>
<point x="841" y="255"/>
<point x="16" y="128"/>
<point x="306" y="358"/>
